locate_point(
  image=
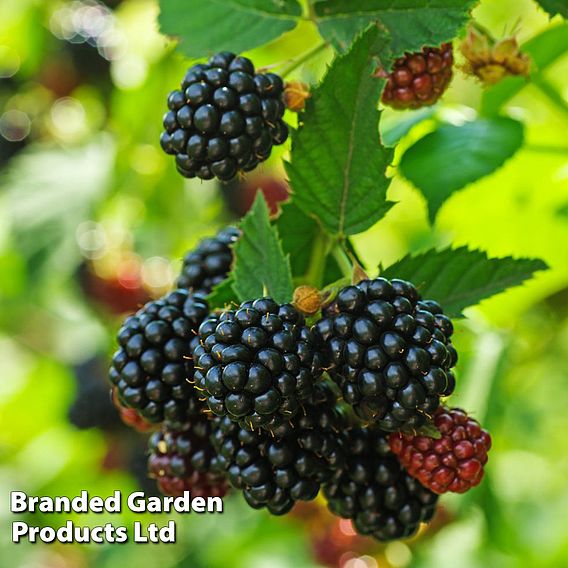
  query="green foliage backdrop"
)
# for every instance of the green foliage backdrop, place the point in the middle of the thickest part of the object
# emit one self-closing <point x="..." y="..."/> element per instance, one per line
<point x="470" y="203"/>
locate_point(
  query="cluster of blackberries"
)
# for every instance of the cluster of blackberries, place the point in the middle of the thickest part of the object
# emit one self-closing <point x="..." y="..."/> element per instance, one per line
<point x="289" y="464"/>
<point x="256" y="364"/>
<point x="183" y="460"/>
<point x="390" y="352"/>
<point x="151" y="367"/>
<point x="209" y="263"/>
<point x="243" y="399"/>
<point x="375" y="491"/>
<point x="225" y="118"/>
<point x="419" y="79"/>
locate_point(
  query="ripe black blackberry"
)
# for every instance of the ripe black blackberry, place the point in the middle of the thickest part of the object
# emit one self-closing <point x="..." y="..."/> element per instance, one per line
<point x="152" y="366"/>
<point x="226" y="118"/>
<point x="274" y="470"/>
<point x="373" y="490"/>
<point x="209" y="263"/>
<point x="257" y="363"/>
<point x="92" y="406"/>
<point x="183" y="461"/>
<point x="390" y="352"/>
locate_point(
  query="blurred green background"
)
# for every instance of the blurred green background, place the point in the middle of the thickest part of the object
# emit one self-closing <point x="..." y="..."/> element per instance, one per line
<point x="94" y="220"/>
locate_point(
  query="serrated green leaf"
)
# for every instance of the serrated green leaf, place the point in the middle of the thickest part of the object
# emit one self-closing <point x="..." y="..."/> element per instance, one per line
<point x="337" y="169"/>
<point x="452" y="157"/>
<point x="261" y="267"/>
<point x="543" y="49"/>
<point x="459" y="278"/>
<point x="412" y="24"/>
<point x="222" y="295"/>
<point x="208" y="27"/>
<point x="554" y="7"/>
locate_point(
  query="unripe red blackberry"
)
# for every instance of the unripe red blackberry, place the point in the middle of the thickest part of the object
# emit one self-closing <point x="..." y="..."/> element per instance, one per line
<point x="390" y="352"/>
<point x="152" y="368"/>
<point x="452" y="463"/>
<point x="274" y="470"/>
<point x="225" y="118"/>
<point x="184" y="460"/>
<point x="419" y="79"/>
<point x="209" y="263"/>
<point x="257" y="363"/>
<point x="373" y="490"/>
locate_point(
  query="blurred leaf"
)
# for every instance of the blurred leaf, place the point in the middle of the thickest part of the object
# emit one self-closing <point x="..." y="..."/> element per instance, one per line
<point x="412" y="24"/>
<point x="399" y="126"/>
<point x="48" y="192"/>
<point x="459" y="278"/>
<point x="544" y="49"/>
<point x="554" y="7"/>
<point x="452" y="157"/>
<point x="337" y="169"/>
<point x="260" y="264"/>
<point x="205" y="28"/>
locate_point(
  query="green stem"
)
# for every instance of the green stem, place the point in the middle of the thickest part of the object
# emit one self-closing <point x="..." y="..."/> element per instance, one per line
<point x="311" y="10"/>
<point x="342" y="260"/>
<point x="547" y="89"/>
<point x="303" y="58"/>
<point x="316" y="267"/>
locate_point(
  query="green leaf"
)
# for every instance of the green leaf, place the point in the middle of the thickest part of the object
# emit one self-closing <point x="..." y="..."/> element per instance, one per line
<point x="207" y="27"/>
<point x="459" y="278"/>
<point x="452" y="157"/>
<point x="554" y="7"/>
<point x="337" y="169"/>
<point x="223" y="294"/>
<point x="298" y="234"/>
<point x="544" y="49"/>
<point x="398" y="125"/>
<point x="260" y="264"/>
<point x="412" y="24"/>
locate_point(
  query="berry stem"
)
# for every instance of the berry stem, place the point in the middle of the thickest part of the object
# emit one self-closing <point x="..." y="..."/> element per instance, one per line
<point x="342" y="260"/>
<point x="306" y="56"/>
<point x="548" y="90"/>
<point x="316" y="268"/>
<point x="311" y="11"/>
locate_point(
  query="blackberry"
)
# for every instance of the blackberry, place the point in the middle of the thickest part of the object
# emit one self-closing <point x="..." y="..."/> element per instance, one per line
<point x="373" y="490"/>
<point x="452" y="463"/>
<point x="390" y="352"/>
<point x="257" y="363"/>
<point x="131" y="417"/>
<point x="274" y="470"/>
<point x="209" y="263"/>
<point x="419" y="79"/>
<point x="183" y="461"/>
<point x="92" y="406"/>
<point x="224" y="119"/>
<point x="152" y="366"/>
